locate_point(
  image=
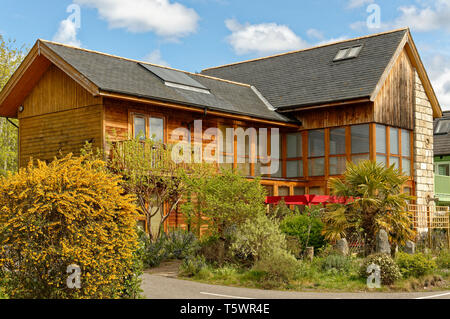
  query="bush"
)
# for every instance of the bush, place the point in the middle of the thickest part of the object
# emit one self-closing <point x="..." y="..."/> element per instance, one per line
<point x="70" y="211"/>
<point x="389" y="269"/>
<point x="443" y="260"/>
<point x="176" y="244"/>
<point x="336" y="263"/>
<point x="181" y="244"/>
<point x="414" y="265"/>
<point x="279" y="266"/>
<point x="191" y="266"/>
<point x="298" y="226"/>
<point x="258" y="238"/>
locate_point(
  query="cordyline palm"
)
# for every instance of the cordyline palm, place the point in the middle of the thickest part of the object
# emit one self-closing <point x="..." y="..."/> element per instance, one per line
<point x="377" y="204"/>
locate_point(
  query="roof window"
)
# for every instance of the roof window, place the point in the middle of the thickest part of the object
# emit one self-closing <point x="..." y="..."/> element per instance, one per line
<point x="176" y="79"/>
<point x="442" y="127"/>
<point x="348" y="53"/>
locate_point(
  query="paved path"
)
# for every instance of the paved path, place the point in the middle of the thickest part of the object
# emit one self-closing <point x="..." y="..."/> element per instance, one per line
<point x="160" y="286"/>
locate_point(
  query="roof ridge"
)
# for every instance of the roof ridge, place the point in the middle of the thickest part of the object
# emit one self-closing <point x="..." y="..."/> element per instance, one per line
<point x="307" y="49"/>
<point x="138" y="61"/>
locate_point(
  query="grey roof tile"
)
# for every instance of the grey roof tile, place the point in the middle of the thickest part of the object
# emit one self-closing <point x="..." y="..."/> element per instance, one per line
<point x="441" y="142"/>
<point x="310" y="76"/>
<point x="114" y="74"/>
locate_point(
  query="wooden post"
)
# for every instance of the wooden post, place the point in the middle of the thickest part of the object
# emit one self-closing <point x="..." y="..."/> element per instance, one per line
<point x="429" y="226"/>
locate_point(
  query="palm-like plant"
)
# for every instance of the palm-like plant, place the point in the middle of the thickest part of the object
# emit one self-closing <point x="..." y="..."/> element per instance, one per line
<point x="376" y="203"/>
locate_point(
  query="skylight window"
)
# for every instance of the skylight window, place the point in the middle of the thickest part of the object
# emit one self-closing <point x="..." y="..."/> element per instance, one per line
<point x="348" y="53"/>
<point x="176" y="79"/>
<point x="442" y="127"/>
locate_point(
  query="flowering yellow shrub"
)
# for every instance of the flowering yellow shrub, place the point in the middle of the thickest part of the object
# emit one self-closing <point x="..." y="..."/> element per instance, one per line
<point x="71" y="211"/>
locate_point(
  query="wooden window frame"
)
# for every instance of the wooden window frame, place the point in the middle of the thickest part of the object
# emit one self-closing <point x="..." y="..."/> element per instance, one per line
<point x="147" y="115"/>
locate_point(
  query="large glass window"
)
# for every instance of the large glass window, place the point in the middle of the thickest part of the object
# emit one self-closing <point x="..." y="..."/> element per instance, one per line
<point x="360" y="142"/>
<point x="227" y="147"/>
<point x="337" y="159"/>
<point x="406" y="152"/>
<point x="381" y="144"/>
<point x="273" y="157"/>
<point x="316" y="147"/>
<point x="154" y="130"/>
<point x="294" y="163"/>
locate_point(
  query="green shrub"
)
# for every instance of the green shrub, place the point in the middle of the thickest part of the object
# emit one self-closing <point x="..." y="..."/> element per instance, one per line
<point x="443" y="260"/>
<point x="215" y="250"/>
<point x="258" y="238"/>
<point x="336" y="263"/>
<point x="180" y="244"/>
<point x="298" y="226"/>
<point x="415" y="265"/>
<point x="191" y="266"/>
<point x="389" y="269"/>
<point x="279" y="266"/>
<point x="176" y="244"/>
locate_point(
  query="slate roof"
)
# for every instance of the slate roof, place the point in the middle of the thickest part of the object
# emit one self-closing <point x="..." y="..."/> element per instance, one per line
<point x="119" y="75"/>
<point x="311" y="77"/>
<point x="442" y="141"/>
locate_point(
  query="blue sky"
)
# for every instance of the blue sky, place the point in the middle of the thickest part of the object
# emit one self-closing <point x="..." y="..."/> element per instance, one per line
<point x="196" y="34"/>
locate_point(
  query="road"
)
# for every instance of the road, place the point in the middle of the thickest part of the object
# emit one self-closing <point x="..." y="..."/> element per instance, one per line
<point x="164" y="287"/>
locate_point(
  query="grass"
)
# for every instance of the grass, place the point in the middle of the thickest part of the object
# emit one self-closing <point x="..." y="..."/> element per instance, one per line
<point x="312" y="277"/>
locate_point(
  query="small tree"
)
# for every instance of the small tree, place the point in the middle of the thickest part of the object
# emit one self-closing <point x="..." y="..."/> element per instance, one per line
<point x="377" y="204"/>
<point x="71" y="211"/>
<point x="149" y="171"/>
<point x="224" y="200"/>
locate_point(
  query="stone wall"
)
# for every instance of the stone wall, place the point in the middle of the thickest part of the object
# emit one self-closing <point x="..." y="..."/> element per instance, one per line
<point x="423" y="145"/>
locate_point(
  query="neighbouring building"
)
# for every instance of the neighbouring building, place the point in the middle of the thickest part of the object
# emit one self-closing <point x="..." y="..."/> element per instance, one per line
<point x="358" y="99"/>
<point x="442" y="158"/>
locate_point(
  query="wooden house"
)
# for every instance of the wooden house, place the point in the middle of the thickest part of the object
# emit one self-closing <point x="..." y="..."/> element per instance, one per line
<point x="364" y="98"/>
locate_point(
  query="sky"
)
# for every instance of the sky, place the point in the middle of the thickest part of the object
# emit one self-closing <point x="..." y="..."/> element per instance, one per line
<point x="195" y="34"/>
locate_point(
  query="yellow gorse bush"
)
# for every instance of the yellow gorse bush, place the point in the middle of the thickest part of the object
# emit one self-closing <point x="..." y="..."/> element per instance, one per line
<point x="71" y="211"/>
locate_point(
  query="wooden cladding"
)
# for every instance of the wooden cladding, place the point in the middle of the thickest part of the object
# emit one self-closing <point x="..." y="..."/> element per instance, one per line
<point x="56" y="92"/>
<point x="44" y="136"/>
<point x="394" y="104"/>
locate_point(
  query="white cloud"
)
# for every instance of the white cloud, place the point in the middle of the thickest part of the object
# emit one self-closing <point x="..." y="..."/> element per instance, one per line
<point x="156" y="58"/>
<point x="262" y="39"/>
<point x="438" y="68"/>
<point x="428" y="18"/>
<point x="171" y="20"/>
<point x="352" y="4"/>
<point x="67" y="33"/>
<point x="315" y="34"/>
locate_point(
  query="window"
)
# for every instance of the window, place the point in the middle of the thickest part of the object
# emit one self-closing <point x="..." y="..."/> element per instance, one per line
<point x="337" y="159"/>
<point x="283" y="191"/>
<point x="279" y="172"/>
<point x="360" y="143"/>
<point x="316" y="147"/>
<point x="176" y="79"/>
<point x="443" y="169"/>
<point x="316" y="191"/>
<point x="139" y="127"/>
<point x="145" y="126"/>
<point x="381" y="148"/>
<point x="299" y="191"/>
<point x="348" y="53"/>
<point x="294" y="163"/>
<point x="442" y="127"/>
<point x="406" y="152"/>
<point x="227" y="147"/>
<point x="243" y="163"/>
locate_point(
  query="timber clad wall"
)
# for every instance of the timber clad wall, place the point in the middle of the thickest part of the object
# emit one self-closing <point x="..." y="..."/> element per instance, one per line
<point x="59" y="115"/>
<point x="423" y="145"/>
<point x="395" y="101"/>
